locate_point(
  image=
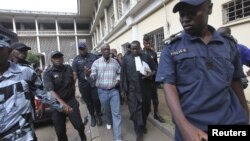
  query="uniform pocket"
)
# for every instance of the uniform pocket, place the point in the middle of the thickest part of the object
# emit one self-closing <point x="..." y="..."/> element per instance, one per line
<point x="187" y="69"/>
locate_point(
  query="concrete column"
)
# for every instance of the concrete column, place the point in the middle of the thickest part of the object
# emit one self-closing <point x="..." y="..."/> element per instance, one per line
<point x="97" y="35"/>
<point x="101" y="34"/>
<point x="37" y="36"/>
<point x="14" y="24"/>
<point x="93" y="44"/>
<point x="106" y="20"/>
<point x="134" y="32"/>
<point x="57" y="35"/>
<point x="76" y="38"/>
<point x="95" y="40"/>
<point x="38" y="42"/>
<point x="115" y="10"/>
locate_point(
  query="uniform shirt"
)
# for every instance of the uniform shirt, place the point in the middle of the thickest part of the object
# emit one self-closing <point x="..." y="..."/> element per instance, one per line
<point x="202" y="75"/>
<point x="61" y="81"/>
<point x="244" y="54"/>
<point x="106" y="73"/>
<point x="15" y="107"/>
<point x="79" y="64"/>
<point x="151" y="54"/>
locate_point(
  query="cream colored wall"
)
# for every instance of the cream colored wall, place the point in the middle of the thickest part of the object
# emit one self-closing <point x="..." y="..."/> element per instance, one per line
<point x="125" y="37"/>
<point x="152" y="22"/>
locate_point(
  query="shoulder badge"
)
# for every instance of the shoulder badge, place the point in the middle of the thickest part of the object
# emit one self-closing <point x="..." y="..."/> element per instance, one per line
<point x="173" y="38"/>
<point x="230" y="37"/>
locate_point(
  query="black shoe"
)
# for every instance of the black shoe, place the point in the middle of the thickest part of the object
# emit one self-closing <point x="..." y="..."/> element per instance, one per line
<point x="99" y="120"/>
<point x="93" y="121"/>
<point x="139" y="138"/>
<point x="145" y="130"/>
<point x="158" y="117"/>
<point x="83" y="137"/>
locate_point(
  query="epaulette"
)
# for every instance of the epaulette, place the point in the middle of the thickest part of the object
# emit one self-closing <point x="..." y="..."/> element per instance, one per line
<point x="27" y="65"/>
<point x="173" y="38"/>
<point x="230" y="37"/>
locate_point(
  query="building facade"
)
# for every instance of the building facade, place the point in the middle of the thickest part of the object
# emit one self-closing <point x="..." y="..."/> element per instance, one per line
<point x="120" y="21"/>
<point x="47" y="33"/>
<point x="117" y="22"/>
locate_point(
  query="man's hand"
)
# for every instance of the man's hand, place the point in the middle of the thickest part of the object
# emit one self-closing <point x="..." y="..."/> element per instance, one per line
<point x="40" y="111"/>
<point x="67" y="109"/>
<point x="87" y="71"/>
<point x="192" y="133"/>
<point x="248" y="73"/>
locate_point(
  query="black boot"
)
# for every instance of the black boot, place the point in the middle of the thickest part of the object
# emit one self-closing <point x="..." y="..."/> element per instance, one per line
<point x="93" y="121"/>
<point x="83" y="137"/>
<point x="98" y="120"/>
<point x="139" y="138"/>
<point x="158" y="117"/>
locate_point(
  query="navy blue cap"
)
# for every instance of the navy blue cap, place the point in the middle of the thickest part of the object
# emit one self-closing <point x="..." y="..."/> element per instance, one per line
<point x="190" y="2"/>
<point x="82" y="45"/>
<point x="4" y="41"/>
<point x="18" y="46"/>
<point x="56" y="53"/>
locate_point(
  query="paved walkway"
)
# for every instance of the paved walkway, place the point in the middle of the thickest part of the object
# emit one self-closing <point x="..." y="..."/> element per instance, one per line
<point x="156" y="131"/>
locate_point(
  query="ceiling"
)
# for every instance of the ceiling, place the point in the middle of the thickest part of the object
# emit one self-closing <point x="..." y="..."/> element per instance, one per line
<point x="86" y="8"/>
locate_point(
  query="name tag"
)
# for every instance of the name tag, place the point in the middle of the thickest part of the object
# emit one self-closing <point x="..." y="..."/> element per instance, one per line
<point x="174" y="53"/>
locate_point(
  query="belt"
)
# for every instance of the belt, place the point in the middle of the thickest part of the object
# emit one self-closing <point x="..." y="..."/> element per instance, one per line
<point x="107" y="89"/>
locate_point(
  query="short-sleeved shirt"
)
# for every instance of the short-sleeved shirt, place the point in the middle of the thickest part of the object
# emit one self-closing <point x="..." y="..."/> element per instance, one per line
<point x="78" y="65"/>
<point x="244" y="55"/>
<point x="106" y="73"/>
<point x="202" y="74"/>
<point x="61" y="81"/>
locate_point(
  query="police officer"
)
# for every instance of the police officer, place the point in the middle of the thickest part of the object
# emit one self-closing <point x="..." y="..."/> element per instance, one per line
<point x="59" y="80"/>
<point x="201" y="74"/>
<point x="16" y="111"/>
<point x="244" y="53"/>
<point x="18" y="55"/>
<point x="87" y="88"/>
<point x="154" y="96"/>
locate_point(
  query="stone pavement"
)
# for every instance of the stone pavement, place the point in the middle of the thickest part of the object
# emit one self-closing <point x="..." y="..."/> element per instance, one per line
<point x="102" y="134"/>
<point x="156" y="131"/>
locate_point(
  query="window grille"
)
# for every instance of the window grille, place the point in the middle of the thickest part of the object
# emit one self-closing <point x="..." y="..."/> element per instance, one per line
<point x="235" y="10"/>
<point x="157" y="37"/>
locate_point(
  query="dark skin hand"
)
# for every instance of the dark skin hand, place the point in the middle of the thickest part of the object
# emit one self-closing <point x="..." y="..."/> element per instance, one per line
<point x="40" y="111"/>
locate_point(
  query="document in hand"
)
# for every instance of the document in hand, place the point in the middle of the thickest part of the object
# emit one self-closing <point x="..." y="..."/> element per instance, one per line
<point x="145" y="68"/>
<point x="141" y="66"/>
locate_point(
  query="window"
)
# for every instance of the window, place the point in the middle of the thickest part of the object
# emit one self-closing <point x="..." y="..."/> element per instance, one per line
<point x="235" y="10"/>
<point x="157" y="37"/>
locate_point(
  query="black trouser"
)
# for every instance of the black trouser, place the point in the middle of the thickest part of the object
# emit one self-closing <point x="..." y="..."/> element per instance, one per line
<point x="138" y="129"/>
<point x="59" y="121"/>
<point x="90" y="96"/>
<point x="154" y="97"/>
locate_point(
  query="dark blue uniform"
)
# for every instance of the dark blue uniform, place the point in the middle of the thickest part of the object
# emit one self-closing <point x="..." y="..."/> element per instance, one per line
<point x="87" y="88"/>
<point x="61" y="81"/>
<point x="244" y="54"/>
<point x="202" y="75"/>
